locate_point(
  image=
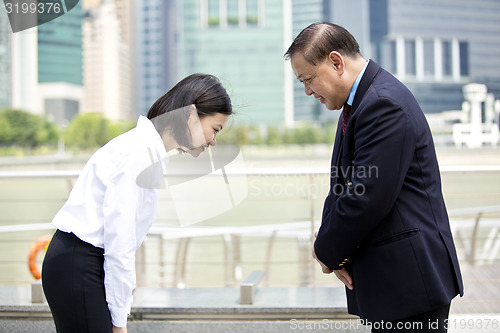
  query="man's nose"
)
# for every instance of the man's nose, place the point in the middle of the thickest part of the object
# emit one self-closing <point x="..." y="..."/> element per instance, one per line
<point x="307" y="90"/>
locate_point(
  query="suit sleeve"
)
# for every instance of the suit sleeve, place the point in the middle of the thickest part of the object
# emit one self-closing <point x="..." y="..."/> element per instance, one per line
<point x="384" y="138"/>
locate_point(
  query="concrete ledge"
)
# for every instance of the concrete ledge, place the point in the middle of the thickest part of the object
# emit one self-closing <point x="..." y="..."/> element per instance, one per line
<point x="216" y="310"/>
<point x="198" y="326"/>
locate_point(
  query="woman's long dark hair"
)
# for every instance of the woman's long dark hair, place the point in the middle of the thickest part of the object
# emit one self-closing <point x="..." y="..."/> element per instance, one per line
<point x="204" y="91"/>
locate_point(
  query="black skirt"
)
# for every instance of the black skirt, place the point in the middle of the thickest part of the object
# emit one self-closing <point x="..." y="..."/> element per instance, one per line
<point x="73" y="283"/>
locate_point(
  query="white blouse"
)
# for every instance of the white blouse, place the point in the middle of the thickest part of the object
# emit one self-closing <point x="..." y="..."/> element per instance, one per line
<point x="113" y="204"/>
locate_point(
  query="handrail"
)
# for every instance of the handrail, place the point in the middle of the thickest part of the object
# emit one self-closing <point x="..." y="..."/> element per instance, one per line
<point x="473" y="210"/>
<point x="239" y="171"/>
<point x="302" y="231"/>
<point x="477" y="213"/>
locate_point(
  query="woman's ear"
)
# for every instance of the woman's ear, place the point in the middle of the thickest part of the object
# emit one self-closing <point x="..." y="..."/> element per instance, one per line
<point x="195" y="127"/>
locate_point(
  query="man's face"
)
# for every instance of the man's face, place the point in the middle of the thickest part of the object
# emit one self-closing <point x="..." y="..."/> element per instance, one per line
<point x="323" y="81"/>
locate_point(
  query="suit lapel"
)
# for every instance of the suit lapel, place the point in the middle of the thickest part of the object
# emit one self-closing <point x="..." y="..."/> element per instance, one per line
<point x="371" y="71"/>
<point x="337" y="152"/>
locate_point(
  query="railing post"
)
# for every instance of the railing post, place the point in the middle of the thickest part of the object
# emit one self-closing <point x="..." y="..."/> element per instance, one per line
<point x="310" y="266"/>
<point x="232" y="254"/>
<point x="472" y="258"/>
<point x="140" y="265"/>
<point x="180" y="262"/>
<point x="247" y="287"/>
<point x="270" y="246"/>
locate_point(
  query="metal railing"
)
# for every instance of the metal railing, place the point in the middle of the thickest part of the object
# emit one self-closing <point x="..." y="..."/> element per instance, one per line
<point x="467" y="223"/>
<point x="476" y="231"/>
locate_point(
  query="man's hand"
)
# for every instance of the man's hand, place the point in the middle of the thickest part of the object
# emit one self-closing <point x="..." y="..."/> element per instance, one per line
<point x="341" y="274"/>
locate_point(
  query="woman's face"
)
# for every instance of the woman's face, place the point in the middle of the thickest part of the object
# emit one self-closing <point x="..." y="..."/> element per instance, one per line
<point x="210" y="126"/>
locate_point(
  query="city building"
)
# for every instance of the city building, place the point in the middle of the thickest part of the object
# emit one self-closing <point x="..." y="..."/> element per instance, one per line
<point x="156" y="36"/>
<point x="434" y="46"/>
<point x="24" y="71"/>
<point x="5" y="60"/>
<point x="242" y="43"/>
<point x="107" y="63"/>
<point x="41" y="67"/>
<point x="134" y="51"/>
<point x="59" y="69"/>
<point x="307" y="108"/>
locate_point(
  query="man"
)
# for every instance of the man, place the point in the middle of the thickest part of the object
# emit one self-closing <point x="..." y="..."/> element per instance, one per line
<point x="385" y="231"/>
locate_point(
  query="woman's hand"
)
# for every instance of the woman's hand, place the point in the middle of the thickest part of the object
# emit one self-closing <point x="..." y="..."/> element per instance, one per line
<point x="119" y="329"/>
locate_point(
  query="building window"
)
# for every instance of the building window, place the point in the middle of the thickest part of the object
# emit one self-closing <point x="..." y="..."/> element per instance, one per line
<point x="447" y="58"/>
<point x="389" y="56"/>
<point x="252" y="12"/>
<point x="464" y="58"/>
<point x="232" y="12"/>
<point x="429" y="68"/>
<point x="213" y="17"/>
<point x="410" y="59"/>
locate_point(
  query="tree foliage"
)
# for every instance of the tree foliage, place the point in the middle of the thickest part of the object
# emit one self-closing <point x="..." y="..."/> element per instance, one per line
<point x="307" y="133"/>
<point x="21" y="128"/>
<point x="88" y="130"/>
<point x="92" y="130"/>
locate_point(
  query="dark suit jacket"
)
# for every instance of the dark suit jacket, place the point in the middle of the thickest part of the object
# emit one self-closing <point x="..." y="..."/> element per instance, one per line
<point x="384" y="219"/>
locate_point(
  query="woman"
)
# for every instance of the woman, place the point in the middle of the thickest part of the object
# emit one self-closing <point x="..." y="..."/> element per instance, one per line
<point x="88" y="273"/>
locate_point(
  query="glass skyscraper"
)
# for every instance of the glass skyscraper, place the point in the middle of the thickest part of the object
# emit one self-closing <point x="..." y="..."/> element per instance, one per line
<point x="5" y="84"/>
<point x="242" y="43"/>
<point x="307" y="108"/>
<point x="433" y="46"/>
<point x="156" y="40"/>
<point x="60" y="66"/>
<point x="60" y="48"/>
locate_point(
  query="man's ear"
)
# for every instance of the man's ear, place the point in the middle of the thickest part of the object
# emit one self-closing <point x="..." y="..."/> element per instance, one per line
<point x="337" y="61"/>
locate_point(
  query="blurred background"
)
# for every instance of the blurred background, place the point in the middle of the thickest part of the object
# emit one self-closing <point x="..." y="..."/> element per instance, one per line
<point x="70" y="85"/>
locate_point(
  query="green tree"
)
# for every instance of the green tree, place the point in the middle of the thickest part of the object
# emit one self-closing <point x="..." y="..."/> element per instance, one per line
<point x="121" y="127"/>
<point x="89" y="130"/>
<point x="274" y="136"/>
<point x="26" y="129"/>
<point x="307" y="135"/>
<point x="5" y="130"/>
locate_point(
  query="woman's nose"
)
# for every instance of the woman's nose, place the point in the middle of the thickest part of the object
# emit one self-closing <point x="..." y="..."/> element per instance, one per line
<point x="213" y="141"/>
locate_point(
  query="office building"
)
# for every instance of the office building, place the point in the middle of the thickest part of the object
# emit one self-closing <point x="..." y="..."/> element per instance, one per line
<point x="60" y="83"/>
<point x="5" y="87"/>
<point x="156" y="28"/>
<point x="242" y="43"/>
<point x="107" y="64"/>
<point x="307" y="108"/>
<point x="433" y="46"/>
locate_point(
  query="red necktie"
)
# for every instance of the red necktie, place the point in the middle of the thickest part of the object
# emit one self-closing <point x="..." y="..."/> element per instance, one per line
<point x="345" y="116"/>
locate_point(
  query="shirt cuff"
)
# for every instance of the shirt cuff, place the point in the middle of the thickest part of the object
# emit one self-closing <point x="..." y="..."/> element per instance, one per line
<point x="119" y="316"/>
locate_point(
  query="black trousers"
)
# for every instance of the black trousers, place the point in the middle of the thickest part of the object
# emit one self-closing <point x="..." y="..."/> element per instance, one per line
<point x="73" y="283"/>
<point x="435" y="321"/>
